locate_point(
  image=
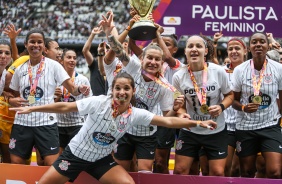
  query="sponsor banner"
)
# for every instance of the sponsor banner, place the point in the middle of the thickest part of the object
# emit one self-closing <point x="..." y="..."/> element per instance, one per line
<point x="232" y="17"/>
<point x="26" y="174"/>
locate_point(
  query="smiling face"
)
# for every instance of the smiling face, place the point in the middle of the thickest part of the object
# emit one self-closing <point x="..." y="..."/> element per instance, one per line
<point x="69" y="60"/>
<point x="5" y="55"/>
<point x="236" y="52"/>
<point x="35" y="45"/>
<point x="258" y="45"/>
<point x="195" y="50"/>
<point x="52" y="51"/>
<point x="152" y="61"/>
<point x="170" y="45"/>
<point x="123" y="90"/>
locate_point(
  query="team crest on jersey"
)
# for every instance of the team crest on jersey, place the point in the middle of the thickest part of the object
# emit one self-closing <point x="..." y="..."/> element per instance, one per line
<point x="267" y="78"/>
<point x="64" y="165"/>
<point x="238" y="146"/>
<point x="179" y="144"/>
<point x="12" y="143"/>
<point x="151" y="93"/>
<point x="121" y="126"/>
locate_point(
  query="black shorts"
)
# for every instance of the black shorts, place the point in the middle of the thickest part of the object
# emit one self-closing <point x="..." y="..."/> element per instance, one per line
<point x="165" y="137"/>
<point x="143" y="146"/>
<point x="66" y="134"/>
<point x="44" y="138"/>
<point x="231" y="139"/>
<point x="250" y="142"/>
<point x="70" y="166"/>
<point x="215" y="145"/>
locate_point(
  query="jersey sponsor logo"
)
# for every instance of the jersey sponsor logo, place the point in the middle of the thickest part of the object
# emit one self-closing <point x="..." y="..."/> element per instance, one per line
<point x="103" y="139"/>
<point x="192" y="91"/>
<point x="64" y="165"/>
<point x="39" y="93"/>
<point x="151" y="93"/>
<point x="178" y="145"/>
<point x="266" y="100"/>
<point x="70" y="99"/>
<point x="12" y="143"/>
<point x="140" y="104"/>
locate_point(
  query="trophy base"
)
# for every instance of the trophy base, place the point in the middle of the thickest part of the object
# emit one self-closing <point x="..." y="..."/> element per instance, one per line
<point x="143" y="30"/>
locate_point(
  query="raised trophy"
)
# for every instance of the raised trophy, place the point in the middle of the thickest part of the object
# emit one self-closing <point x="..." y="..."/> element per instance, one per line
<point x="144" y="29"/>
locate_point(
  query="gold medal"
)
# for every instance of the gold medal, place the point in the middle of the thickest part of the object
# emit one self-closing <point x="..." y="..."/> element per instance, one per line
<point x="176" y="94"/>
<point x="257" y="99"/>
<point x="204" y="108"/>
<point x="31" y="99"/>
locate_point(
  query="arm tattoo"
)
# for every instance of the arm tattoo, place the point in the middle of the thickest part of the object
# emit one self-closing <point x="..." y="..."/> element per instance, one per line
<point x="118" y="49"/>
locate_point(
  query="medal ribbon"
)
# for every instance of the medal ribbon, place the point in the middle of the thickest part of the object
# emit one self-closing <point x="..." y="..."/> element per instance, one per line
<point x="67" y="94"/>
<point x="202" y="94"/>
<point x="257" y="85"/>
<point x="118" y="69"/>
<point x="160" y="80"/>
<point x="39" y="70"/>
<point x="116" y="112"/>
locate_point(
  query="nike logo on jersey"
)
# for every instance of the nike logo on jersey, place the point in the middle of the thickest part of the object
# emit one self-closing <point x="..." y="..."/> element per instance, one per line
<point x="107" y="119"/>
<point x="167" y="142"/>
<point x="221" y="153"/>
<point x="112" y="163"/>
<point x="280" y="146"/>
<point x="151" y="152"/>
<point x="53" y="148"/>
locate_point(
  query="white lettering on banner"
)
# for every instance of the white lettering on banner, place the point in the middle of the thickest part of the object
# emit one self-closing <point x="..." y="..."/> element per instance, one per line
<point x="17" y="182"/>
<point x="234" y="27"/>
<point x="245" y="13"/>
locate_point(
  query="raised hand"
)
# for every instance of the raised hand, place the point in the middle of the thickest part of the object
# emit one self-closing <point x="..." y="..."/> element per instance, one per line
<point x="11" y="31"/>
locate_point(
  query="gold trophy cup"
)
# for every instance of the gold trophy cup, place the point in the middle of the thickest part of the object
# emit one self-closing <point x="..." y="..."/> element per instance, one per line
<point x="144" y="29"/>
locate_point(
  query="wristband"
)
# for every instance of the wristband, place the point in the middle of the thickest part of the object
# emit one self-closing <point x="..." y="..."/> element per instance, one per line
<point x="198" y="123"/>
<point x="128" y="28"/>
<point x="222" y="107"/>
<point x="243" y="108"/>
<point x="100" y="54"/>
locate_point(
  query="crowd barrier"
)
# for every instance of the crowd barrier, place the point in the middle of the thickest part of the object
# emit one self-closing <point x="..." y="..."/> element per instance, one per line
<point x="26" y="174"/>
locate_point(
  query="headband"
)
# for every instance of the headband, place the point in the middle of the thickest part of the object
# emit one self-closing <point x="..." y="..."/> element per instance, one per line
<point x="238" y="40"/>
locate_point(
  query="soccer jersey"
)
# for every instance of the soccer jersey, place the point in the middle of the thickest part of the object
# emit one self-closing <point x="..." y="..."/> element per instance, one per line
<point x="230" y="113"/>
<point x="217" y="84"/>
<point x="73" y="118"/>
<point x="52" y="74"/>
<point x="2" y="81"/>
<point x="267" y="113"/>
<point x="169" y="72"/>
<point x="147" y="95"/>
<point x="96" y="139"/>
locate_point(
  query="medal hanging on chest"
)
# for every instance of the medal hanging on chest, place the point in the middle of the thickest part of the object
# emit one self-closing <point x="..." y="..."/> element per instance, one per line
<point x="31" y="98"/>
<point x="257" y="85"/>
<point x="201" y="94"/>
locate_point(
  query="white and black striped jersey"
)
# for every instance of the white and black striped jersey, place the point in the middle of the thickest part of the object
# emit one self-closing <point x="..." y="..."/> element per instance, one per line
<point x="147" y="95"/>
<point x="217" y="84"/>
<point x="2" y="81"/>
<point x="230" y="113"/>
<point x="52" y="74"/>
<point x="73" y="118"/>
<point x="96" y="139"/>
<point x="169" y="72"/>
<point x="267" y="113"/>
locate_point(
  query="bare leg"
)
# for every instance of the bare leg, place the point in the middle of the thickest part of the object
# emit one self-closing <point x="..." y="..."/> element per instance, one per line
<point x="182" y="164"/>
<point x="53" y="177"/>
